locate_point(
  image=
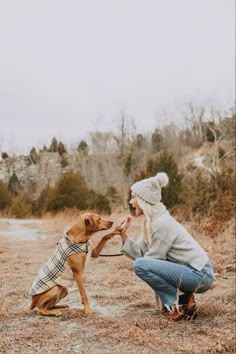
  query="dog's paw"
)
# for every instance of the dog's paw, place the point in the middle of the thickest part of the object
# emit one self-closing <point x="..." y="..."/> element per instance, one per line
<point x="55" y="313"/>
<point x="61" y="306"/>
<point x="87" y="311"/>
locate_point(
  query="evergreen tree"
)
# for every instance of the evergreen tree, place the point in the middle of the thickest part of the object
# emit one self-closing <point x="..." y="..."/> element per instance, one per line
<point x="54" y="145"/>
<point x="4" y="155"/>
<point x="14" y="185"/>
<point x="33" y="155"/>
<point x="157" y="141"/>
<point x="61" y="148"/>
<point x="83" y="148"/>
<point x="164" y="162"/>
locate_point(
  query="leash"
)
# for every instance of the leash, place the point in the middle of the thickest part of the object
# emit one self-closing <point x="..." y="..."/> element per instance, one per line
<point x="110" y="255"/>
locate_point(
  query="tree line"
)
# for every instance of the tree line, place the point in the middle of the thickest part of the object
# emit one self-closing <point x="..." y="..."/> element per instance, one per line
<point x="207" y="191"/>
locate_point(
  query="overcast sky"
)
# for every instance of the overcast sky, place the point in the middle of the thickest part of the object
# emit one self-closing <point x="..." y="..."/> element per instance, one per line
<point x="70" y="66"/>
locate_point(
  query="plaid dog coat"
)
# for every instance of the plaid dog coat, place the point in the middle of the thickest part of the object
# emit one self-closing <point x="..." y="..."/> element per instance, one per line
<point x="55" y="266"/>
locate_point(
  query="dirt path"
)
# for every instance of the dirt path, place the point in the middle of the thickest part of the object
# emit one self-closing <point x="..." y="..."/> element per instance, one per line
<point x="124" y="317"/>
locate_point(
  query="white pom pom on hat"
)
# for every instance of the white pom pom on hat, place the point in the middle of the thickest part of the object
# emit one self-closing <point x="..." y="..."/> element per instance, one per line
<point x="162" y="178"/>
<point x="149" y="189"/>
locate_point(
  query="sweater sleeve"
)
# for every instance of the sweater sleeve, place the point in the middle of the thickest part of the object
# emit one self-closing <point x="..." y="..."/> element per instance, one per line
<point x="134" y="249"/>
<point x="159" y="246"/>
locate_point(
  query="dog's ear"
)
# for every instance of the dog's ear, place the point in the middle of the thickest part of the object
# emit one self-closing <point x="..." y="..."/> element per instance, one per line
<point x="89" y="220"/>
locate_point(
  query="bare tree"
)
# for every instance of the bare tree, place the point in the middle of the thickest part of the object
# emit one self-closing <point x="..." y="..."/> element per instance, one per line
<point x="102" y="142"/>
<point x="220" y="154"/>
<point x="126" y="132"/>
<point x="194" y="118"/>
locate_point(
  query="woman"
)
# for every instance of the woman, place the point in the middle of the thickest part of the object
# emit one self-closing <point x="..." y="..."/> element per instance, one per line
<point x="166" y="256"/>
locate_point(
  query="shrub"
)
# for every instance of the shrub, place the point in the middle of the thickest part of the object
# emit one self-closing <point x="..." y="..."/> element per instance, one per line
<point x="112" y="194"/>
<point x="198" y="194"/>
<point x="212" y="197"/>
<point x="44" y="201"/>
<point x="70" y="191"/>
<point x="5" y="196"/>
<point x="99" y="202"/>
<point x="21" y="207"/>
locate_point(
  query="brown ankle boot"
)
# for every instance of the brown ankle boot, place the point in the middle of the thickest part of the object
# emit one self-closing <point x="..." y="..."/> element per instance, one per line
<point x="191" y="312"/>
<point x="175" y="315"/>
<point x="189" y="304"/>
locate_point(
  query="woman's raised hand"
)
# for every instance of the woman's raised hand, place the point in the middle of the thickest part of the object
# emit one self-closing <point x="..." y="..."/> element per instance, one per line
<point x="125" y="224"/>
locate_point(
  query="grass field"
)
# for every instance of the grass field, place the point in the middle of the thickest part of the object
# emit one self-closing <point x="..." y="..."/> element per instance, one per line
<point x="124" y="319"/>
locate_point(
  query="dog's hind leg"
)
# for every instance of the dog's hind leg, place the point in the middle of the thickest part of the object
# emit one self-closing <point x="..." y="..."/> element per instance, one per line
<point x="47" y="303"/>
<point x="62" y="292"/>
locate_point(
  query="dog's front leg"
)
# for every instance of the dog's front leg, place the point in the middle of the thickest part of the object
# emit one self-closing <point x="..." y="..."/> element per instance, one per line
<point x="79" y="280"/>
<point x="76" y="263"/>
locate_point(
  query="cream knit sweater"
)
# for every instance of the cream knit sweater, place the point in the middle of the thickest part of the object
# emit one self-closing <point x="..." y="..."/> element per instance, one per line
<point x="170" y="241"/>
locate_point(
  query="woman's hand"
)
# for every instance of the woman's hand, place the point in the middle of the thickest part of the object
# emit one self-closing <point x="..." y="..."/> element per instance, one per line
<point x="124" y="225"/>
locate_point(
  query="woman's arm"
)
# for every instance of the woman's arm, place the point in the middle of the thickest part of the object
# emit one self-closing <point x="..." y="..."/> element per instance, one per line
<point x="130" y="247"/>
<point x="134" y="248"/>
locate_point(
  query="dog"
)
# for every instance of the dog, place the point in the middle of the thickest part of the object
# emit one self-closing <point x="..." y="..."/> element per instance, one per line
<point x="71" y="249"/>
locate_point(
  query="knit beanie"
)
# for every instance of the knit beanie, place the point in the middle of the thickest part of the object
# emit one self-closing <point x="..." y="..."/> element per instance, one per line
<point x="149" y="189"/>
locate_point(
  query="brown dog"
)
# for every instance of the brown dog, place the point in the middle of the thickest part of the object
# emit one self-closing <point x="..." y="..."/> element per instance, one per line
<point x="73" y="249"/>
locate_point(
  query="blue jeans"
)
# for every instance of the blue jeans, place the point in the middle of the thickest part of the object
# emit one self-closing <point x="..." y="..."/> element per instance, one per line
<point x="165" y="278"/>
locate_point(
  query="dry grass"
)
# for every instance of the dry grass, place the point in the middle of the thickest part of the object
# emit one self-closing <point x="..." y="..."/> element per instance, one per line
<point x="125" y="319"/>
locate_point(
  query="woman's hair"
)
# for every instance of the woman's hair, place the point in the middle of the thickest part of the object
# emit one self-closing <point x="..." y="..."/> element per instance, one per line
<point x="150" y="211"/>
<point x="148" y="194"/>
<point x="146" y="227"/>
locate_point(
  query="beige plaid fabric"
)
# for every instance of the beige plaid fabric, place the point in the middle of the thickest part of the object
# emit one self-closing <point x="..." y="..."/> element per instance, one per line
<point x="55" y="266"/>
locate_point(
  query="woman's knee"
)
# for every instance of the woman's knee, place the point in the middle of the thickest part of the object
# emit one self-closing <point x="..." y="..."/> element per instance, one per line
<point x="205" y="284"/>
<point x="139" y="265"/>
